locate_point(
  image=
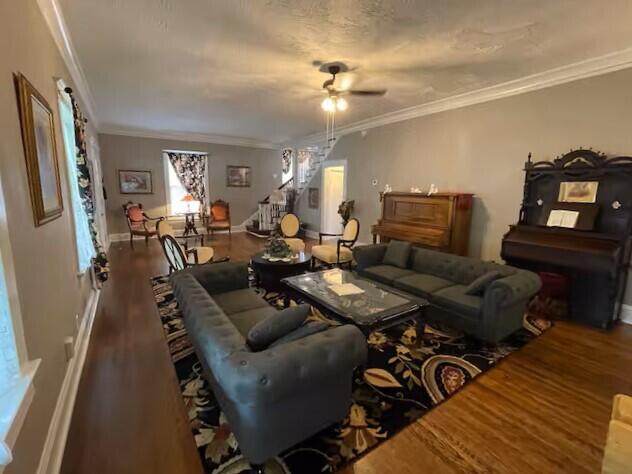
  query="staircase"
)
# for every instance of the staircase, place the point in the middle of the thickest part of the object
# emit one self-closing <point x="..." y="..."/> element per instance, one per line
<point x="262" y="222"/>
<point x="317" y="156"/>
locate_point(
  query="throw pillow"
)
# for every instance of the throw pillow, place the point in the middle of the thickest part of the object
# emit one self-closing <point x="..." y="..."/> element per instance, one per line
<point x="305" y="330"/>
<point x="397" y="253"/>
<point x="275" y="326"/>
<point x="478" y="286"/>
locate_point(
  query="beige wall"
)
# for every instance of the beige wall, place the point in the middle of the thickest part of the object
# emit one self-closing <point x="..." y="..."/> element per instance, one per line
<point x="122" y="152"/>
<point x="482" y="149"/>
<point x="50" y="292"/>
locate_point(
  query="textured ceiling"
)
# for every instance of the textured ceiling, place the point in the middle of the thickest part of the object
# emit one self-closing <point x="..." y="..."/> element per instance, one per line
<point x="243" y="68"/>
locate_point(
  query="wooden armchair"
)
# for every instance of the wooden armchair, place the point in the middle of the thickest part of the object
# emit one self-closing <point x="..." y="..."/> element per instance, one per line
<point x="340" y="252"/>
<point x="138" y="222"/>
<point x="219" y="217"/>
<point x="163" y="227"/>
<point x="180" y="258"/>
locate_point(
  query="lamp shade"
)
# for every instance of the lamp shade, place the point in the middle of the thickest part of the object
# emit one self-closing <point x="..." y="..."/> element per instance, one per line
<point x="190" y="204"/>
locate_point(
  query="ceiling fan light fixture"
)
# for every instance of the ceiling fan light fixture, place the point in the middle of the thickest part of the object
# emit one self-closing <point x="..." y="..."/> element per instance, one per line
<point x="342" y="104"/>
<point x="328" y="104"/>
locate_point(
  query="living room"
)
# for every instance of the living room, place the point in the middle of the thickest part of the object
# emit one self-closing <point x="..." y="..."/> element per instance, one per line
<point x="298" y="237"/>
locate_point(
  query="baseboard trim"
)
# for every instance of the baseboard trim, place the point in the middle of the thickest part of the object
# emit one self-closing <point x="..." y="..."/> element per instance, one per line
<point x="124" y="236"/>
<point x="626" y="313"/>
<point x="53" y="452"/>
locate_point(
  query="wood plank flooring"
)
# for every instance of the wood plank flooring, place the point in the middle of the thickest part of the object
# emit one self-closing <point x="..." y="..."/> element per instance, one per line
<point x="544" y="409"/>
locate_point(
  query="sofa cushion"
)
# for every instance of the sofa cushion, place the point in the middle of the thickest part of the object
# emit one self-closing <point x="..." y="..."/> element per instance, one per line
<point x="461" y="270"/>
<point x="454" y="299"/>
<point x="238" y="301"/>
<point x="210" y="329"/>
<point x="385" y="273"/>
<point x="434" y="263"/>
<point x="275" y="326"/>
<point x="397" y="253"/>
<point x="478" y="286"/>
<point x="421" y="284"/>
<point x="307" y="329"/>
<point x="245" y="320"/>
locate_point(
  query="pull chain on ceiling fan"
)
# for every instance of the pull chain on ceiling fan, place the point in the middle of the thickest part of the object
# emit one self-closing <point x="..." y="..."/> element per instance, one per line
<point x="335" y="100"/>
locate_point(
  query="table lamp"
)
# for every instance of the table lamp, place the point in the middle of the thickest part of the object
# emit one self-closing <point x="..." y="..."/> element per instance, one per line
<point x="192" y="205"/>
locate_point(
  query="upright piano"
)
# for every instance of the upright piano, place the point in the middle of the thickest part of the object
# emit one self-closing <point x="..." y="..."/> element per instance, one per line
<point x="440" y="221"/>
<point x="595" y="254"/>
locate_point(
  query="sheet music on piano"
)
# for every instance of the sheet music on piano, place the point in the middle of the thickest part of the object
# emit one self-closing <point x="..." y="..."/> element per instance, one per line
<point x="562" y="218"/>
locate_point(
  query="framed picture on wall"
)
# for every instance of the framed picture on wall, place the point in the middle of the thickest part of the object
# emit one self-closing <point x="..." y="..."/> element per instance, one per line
<point x="135" y="182"/>
<point x="40" y="150"/>
<point x="313" y="198"/>
<point x="238" y="176"/>
<point x="578" y="191"/>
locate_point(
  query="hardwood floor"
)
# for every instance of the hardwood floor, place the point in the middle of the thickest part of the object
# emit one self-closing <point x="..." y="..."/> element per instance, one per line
<point x="544" y="409"/>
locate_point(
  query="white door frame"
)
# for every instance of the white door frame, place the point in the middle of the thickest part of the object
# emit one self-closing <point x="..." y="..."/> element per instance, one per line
<point x="330" y="164"/>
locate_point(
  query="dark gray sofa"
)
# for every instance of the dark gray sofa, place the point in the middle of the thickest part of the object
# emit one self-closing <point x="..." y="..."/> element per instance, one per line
<point x="277" y="397"/>
<point x="442" y="279"/>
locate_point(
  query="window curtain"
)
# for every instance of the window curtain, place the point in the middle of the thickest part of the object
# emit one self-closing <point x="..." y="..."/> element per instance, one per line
<point x="191" y="170"/>
<point x="85" y="247"/>
<point x="100" y="261"/>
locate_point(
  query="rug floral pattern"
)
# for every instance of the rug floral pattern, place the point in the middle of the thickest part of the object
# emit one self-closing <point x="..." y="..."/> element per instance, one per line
<point x="411" y="368"/>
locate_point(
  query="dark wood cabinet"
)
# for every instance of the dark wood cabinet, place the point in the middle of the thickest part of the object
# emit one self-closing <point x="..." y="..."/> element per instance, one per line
<point x="440" y="221"/>
<point x="595" y="261"/>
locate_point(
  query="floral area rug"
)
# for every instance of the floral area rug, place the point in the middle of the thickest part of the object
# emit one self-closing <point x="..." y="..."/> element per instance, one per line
<point x="411" y="368"/>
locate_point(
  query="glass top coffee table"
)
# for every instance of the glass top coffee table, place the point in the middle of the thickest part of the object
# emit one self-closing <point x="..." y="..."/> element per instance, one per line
<point x="355" y="300"/>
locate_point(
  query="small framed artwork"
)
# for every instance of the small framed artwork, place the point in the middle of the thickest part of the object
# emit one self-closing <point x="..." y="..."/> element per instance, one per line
<point x="40" y="150"/>
<point x="135" y="182"/>
<point x="238" y="176"/>
<point x="578" y="191"/>
<point x="313" y="198"/>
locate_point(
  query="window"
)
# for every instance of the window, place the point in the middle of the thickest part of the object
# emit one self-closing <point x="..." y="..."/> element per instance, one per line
<point x="83" y="237"/>
<point x="9" y="364"/>
<point x="175" y="190"/>
<point x="16" y="373"/>
<point x="302" y="170"/>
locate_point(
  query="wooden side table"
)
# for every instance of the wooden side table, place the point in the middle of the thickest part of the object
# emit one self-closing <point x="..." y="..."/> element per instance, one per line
<point x="189" y="223"/>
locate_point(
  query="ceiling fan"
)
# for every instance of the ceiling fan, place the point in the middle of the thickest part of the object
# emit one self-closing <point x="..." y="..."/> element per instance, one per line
<point x="335" y="100"/>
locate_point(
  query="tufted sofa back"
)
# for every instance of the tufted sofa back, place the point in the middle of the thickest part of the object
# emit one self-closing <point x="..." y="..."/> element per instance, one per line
<point x="461" y="270"/>
<point x="208" y="327"/>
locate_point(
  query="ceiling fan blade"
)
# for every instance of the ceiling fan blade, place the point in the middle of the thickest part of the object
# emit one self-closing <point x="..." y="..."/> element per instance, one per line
<point x="367" y="92"/>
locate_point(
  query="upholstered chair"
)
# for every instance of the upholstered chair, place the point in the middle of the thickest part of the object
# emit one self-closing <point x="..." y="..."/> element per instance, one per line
<point x="339" y="253"/>
<point x="290" y="226"/>
<point x="219" y="217"/>
<point x="138" y="222"/>
<point x="204" y="254"/>
<point x="180" y="257"/>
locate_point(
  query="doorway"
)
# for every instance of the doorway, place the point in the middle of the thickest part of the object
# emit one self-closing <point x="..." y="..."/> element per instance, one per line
<point x="334" y="191"/>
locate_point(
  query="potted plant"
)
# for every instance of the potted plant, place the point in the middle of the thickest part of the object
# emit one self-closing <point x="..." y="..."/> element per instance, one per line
<point x="345" y="210"/>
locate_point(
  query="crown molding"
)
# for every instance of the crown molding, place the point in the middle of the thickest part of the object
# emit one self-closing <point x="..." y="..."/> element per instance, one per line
<point x="187" y="137"/>
<point x="571" y="72"/>
<point x="57" y="26"/>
